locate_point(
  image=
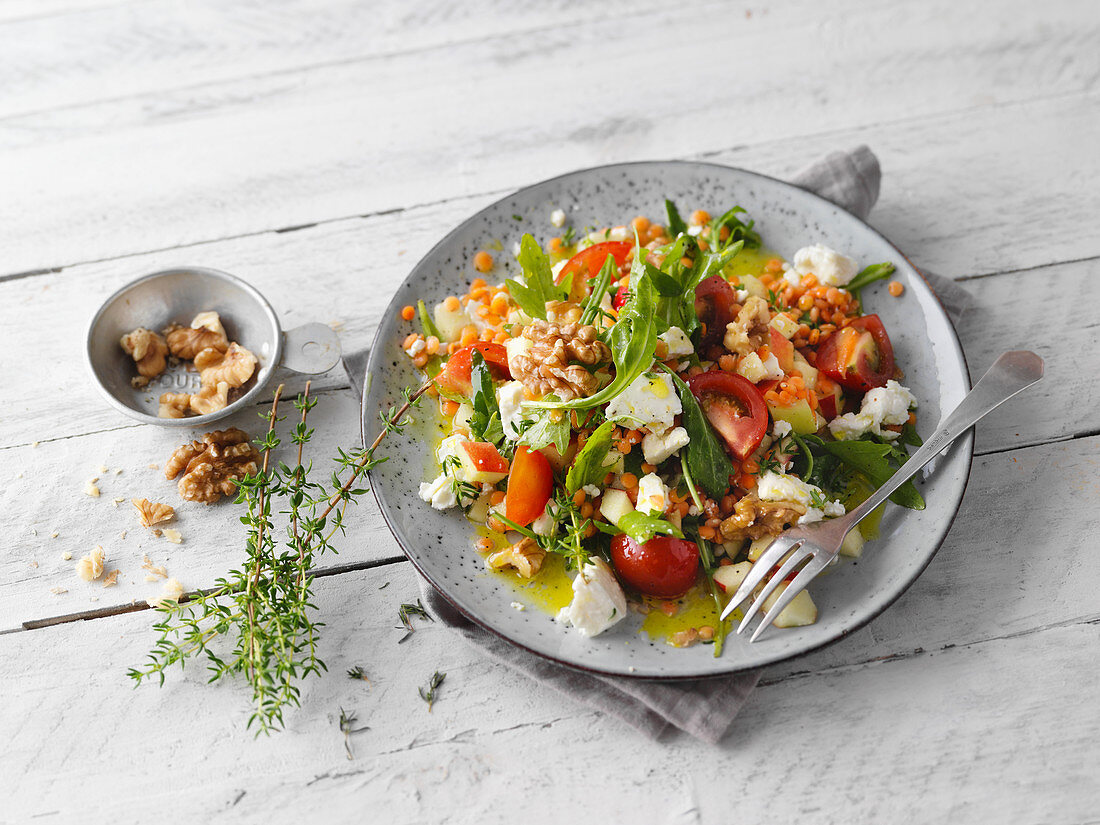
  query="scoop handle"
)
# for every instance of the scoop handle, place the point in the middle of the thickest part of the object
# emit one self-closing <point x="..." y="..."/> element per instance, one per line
<point x="310" y="349"/>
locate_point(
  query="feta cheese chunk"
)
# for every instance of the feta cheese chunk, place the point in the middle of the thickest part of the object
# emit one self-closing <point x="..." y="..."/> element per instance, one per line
<point x="591" y="490"/>
<point x="772" y="370"/>
<point x="678" y="343"/>
<point x="417" y="347"/>
<point x="438" y="493"/>
<point x="510" y="400"/>
<point x="598" y="600"/>
<point x="658" y="447"/>
<point x="652" y="495"/>
<point x="544" y="524"/>
<point x="781" y="429"/>
<point x="774" y="486"/>
<point x="649" y="401"/>
<point x="830" y="267"/>
<point x="751" y="367"/>
<point x="557" y="217"/>
<point x="882" y="406"/>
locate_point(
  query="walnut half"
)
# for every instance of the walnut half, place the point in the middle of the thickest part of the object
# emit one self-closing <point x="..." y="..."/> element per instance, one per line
<point x="234" y="366"/>
<point x="525" y="557"/>
<point x="212" y="467"/>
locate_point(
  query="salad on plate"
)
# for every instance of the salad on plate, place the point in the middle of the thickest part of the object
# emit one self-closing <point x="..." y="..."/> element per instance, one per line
<point x="646" y="406"/>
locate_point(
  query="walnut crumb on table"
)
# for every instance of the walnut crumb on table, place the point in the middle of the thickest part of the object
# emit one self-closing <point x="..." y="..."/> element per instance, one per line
<point x="90" y="567"/>
<point x="152" y="512"/>
<point x="111" y="579"/>
<point x="173" y="536"/>
<point x="90" y="488"/>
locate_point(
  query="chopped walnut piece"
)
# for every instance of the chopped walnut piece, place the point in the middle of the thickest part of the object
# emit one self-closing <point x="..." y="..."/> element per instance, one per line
<point x="749" y="331"/>
<point x="684" y="638"/>
<point x="187" y="342"/>
<point x="171" y="592"/>
<point x="753" y="518"/>
<point x="212" y="467"/>
<point x="174" y="405"/>
<point x="90" y="488"/>
<point x="57" y="591"/>
<point x="90" y="567"/>
<point x="545" y="367"/>
<point x="525" y="557"/>
<point x="111" y="579"/>
<point x="173" y="536"/>
<point x="234" y="366"/>
<point x="152" y="512"/>
<point x="208" y="320"/>
<point x="210" y="399"/>
<point x="147" y="349"/>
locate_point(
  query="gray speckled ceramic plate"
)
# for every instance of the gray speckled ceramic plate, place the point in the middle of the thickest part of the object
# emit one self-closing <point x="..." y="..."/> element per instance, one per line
<point x="440" y="544"/>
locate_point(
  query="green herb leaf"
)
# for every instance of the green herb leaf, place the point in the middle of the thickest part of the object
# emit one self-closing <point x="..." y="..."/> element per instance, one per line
<point x="599" y="288"/>
<point x="870" y="458"/>
<point x="426" y="321"/>
<point x="540" y="286"/>
<point x="739" y="231"/>
<point x="588" y="466"/>
<point x="676" y="225"/>
<point x="485" y="422"/>
<point x="870" y="274"/>
<point x="706" y="459"/>
<point x="544" y="430"/>
<point x="642" y="527"/>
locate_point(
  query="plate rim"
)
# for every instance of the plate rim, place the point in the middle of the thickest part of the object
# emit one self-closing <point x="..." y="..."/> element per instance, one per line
<point x="965" y="443"/>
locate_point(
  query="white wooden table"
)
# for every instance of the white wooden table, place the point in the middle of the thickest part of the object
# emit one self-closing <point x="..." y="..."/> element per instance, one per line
<point x="317" y="149"/>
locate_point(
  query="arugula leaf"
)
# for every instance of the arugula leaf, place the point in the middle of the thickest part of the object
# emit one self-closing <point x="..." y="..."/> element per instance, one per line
<point x="706" y="460"/>
<point x="544" y="430"/>
<point x="588" y="465"/>
<point x="485" y="424"/>
<point x="870" y="458"/>
<point x="426" y="321"/>
<point x="599" y="289"/>
<point x="870" y="274"/>
<point x="642" y="527"/>
<point x="540" y="286"/>
<point x="633" y="340"/>
<point x="676" y="225"/>
<point x="677" y="309"/>
<point x="739" y="231"/>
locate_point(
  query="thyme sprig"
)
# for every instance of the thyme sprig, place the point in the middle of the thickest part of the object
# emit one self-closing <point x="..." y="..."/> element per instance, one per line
<point x="405" y="614"/>
<point x="262" y="614"/>
<point x="427" y="693"/>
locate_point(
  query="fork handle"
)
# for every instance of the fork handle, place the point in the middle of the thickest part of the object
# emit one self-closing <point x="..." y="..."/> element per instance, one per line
<point x="1010" y="374"/>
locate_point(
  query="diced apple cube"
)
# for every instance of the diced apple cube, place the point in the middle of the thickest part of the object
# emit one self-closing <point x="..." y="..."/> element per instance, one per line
<point x="853" y="544"/>
<point x="615" y="505"/>
<point x="450" y="322"/>
<point x="799" y="613"/>
<point x="730" y="576"/>
<point x="784" y="325"/>
<point x="481" y="462"/>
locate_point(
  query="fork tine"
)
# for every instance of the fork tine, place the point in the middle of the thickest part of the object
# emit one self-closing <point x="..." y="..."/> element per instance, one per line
<point x="797" y="585"/>
<point x="798" y="555"/>
<point x="776" y="550"/>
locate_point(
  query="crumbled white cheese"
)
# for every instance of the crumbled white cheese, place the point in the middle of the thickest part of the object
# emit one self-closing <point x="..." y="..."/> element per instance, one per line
<point x="882" y="406"/>
<point x="694" y="230"/>
<point x="438" y="493"/>
<point x="781" y="428"/>
<point x="742" y="295"/>
<point x="620" y="233"/>
<point x="678" y="343"/>
<point x="830" y="267"/>
<point x="658" y="447"/>
<point x="772" y="370"/>
<point x="649" y="401"/>
<point x="598" y="600"/>
<point x="519" y="606"/>
<point x="557" y="217"/>
<point x="510" y="399"/>
<point x="591" y="490"/>
<point x="774" y="486"/>
<point x="652" y="495"/>
<point x="416" y="347"/>
<point x="751" y="367"/>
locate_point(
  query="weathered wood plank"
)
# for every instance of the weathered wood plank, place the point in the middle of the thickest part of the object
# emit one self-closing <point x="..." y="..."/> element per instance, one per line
<point x="977" y="732"/>
<point x="191" y="164"/>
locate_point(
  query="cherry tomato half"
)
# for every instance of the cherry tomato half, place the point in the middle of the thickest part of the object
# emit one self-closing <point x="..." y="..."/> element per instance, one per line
<point x="664" y="567"/>
<point x="589" y="262"/>
<point x="716" y="305"/>
<point x="859" y="356"/>
<point x="455" y="375"/>
<point x="621" y="297"/>
<point x="530" y="482"/>
<point x="734" y="407"/>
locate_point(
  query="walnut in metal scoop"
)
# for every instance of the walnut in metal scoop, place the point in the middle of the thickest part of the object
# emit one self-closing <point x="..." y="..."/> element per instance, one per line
<point x="212" y="467"/>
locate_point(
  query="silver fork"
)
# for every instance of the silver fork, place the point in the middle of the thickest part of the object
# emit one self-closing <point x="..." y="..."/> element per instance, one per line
<point x="819" y="543"/>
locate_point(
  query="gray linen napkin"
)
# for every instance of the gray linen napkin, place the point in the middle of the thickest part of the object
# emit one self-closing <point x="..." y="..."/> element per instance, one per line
<point x="704" y="708"/>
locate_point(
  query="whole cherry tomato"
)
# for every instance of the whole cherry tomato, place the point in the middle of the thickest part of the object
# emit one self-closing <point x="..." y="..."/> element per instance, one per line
<point x="716" y="305"/>
<point x="858" y="356"/>
<point x="530" y="482"/>
<point x="587" y="264"/>
<point x="734" y="407"/>
<point x="664" y="567"/>
<point x="455" y="375"/>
